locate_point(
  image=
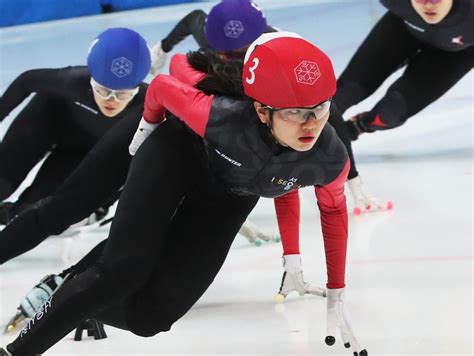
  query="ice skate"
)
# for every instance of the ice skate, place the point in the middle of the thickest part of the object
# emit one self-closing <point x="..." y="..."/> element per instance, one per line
<point x="15" y="323"/>
<point x="293" y="281"/>
<point x="255" y="236"/>
<point x="33" y="301"/>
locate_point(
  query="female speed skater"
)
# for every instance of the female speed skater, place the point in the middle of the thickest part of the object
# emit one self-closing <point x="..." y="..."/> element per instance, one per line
<point x="192" y="184"/>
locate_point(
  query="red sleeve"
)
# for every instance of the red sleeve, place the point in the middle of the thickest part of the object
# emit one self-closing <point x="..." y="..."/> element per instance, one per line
<point x="182" y="70"/>
<point x="186" y="102"/>
<point x="332" y="205"/>
<point x="288" y="215"/>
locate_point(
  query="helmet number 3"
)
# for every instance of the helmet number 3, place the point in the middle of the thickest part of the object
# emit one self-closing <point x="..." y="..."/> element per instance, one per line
<point x="251" y="79"/>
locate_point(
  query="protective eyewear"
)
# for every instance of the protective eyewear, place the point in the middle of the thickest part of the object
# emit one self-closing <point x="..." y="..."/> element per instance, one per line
<point x="302" y="115"/>
<point x="118" y="95"/>
<point x="424" y="2"/>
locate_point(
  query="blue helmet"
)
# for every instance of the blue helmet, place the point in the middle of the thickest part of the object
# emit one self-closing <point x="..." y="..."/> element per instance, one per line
<point x="119" y="58"/>
<point x="233" y="24"/>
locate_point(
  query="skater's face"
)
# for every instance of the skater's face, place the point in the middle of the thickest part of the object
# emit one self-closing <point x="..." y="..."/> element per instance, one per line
<point x="432" y="11"/>
<point x="297" y="128"/>
<point x="111" y="102"/>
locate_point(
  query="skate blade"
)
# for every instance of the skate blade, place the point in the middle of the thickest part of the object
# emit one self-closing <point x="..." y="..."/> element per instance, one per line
<point x="15" y="323"/>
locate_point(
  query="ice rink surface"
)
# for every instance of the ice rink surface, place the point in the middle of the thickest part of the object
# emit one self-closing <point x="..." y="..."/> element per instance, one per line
<point x="409" y="271"/>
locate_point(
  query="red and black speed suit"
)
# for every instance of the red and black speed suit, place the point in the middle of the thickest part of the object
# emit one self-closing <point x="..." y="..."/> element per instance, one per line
<point x="189" y="189"/>
<point x="287" y="207"/>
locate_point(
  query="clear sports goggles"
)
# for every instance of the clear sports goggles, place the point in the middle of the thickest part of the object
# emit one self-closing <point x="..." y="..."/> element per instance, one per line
<point x="301" y="115"/>
<point x="118" y="95"/>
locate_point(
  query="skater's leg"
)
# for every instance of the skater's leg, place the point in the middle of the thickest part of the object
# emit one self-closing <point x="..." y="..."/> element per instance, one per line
<point x="54" y="170"/>
<point x="200" y="236"/>
<point x="337" y="121"/>
<point x="95" y="183"/>
<point x="374" y="61"/>
<point x="31" y="303"/>
<point x="96" y="180"/>
<point x="421" y="84"/>
<point x="155" y="186"/>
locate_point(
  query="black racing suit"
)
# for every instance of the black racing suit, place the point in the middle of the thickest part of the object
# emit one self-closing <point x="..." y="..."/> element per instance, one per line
<point x="186" y="196"/>
<point x="436" y="57"/>
<point x="94" y="183"/>
<point x="61" y="120"/>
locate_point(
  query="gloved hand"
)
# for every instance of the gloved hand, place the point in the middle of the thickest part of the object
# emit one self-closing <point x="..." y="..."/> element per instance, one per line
<point x="253" y="234"/>
<point x="364" y="201"/>
<point x="293" y="280"/>
<point x="338" y="318"/>
<point x="158" y="59"/>
<point x="144" y="130"/>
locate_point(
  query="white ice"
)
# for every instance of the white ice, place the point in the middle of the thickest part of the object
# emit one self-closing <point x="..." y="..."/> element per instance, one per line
<point x="409" y="271"/>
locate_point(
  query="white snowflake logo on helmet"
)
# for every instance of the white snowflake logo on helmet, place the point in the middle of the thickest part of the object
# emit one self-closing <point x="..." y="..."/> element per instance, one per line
<point x="233" y="29"/>
<point x="121" y="67"/>
<point x="307" y="72"/>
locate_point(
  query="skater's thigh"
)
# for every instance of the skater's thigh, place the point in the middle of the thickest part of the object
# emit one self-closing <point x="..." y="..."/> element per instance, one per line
<point x="113" y="315"/>
<point x="52" y="173"/>
<point x="155" y="185"/>
<point x="199" y="239"/>
<point x="423" y="82"/>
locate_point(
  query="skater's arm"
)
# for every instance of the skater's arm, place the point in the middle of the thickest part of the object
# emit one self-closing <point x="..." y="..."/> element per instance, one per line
<point x="332" y="205"/>
<point x="288" y="216"/>
<point x="34" y="81"/>
<point x="191" y="24"/>
<point x="182" y="70"/>
<point x="182" y="100"/>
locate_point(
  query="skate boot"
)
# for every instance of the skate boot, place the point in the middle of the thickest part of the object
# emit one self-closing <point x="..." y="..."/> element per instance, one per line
<point x="93" y="327"/>
<point x="356" y="125"/>
<point x="293" y="280"/>
<point x="255" y="236"/>
<point x="33" y="301"/>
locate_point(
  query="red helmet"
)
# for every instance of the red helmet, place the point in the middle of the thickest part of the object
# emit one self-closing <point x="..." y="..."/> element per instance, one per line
<point x="283" y="70"/>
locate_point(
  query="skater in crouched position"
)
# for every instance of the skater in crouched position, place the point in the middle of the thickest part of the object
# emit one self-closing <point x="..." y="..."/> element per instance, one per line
<point x="99" y="122"/>
<point x="210" y="157"/>
<point x="72" y="110"/>
<point x="212" y="32"/>
<point x="432" y="39"/>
